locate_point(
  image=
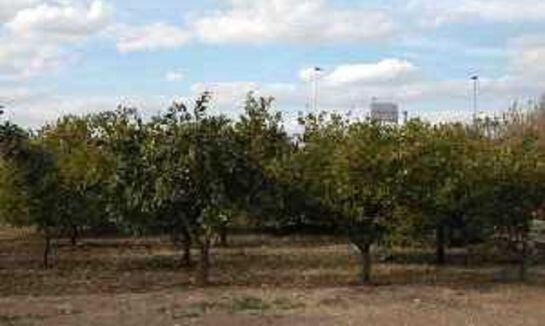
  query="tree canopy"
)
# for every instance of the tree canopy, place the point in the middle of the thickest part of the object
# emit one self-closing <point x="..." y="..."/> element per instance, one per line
<point x="192" y="175"/>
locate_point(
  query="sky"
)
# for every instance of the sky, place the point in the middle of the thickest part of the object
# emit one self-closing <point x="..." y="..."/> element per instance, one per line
<point x="79" y="56"/>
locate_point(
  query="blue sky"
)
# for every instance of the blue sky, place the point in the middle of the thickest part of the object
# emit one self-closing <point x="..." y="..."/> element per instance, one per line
<point x="78" y="56"/>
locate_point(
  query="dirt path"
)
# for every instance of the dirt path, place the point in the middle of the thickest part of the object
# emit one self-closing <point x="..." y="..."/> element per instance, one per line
<point x="394" y="305"/>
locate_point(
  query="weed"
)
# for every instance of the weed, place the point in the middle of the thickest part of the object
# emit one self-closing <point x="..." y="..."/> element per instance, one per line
<point x="250" y="305"/>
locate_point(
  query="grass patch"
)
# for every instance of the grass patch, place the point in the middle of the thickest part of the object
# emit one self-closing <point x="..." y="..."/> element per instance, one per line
<point x="197" y="310"/>
<point x="286" y="304"/>
<point x="250" y="305"/>
<point x="19" y="320"/>
<point x="257" y="306"/>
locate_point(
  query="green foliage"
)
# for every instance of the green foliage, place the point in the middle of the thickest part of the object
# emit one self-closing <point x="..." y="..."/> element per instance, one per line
<point x="190" y="175"/>
<point x="82" y="168"/>
<point x="441" y="167"/>
<point x="13" y="199"/>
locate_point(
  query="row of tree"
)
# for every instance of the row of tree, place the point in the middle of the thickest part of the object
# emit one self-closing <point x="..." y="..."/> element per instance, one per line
<point x="190" y="175"/>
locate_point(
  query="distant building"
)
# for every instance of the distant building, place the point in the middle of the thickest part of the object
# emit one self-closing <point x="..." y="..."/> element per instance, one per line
<point x="385" y="112"/>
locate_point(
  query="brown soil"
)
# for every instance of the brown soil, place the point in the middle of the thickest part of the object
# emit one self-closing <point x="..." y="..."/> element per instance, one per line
<point x="392" y="305"/>
<point x="256" y="281"/>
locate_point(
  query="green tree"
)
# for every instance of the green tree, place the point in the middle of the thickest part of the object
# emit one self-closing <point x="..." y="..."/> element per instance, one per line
<point x="439" y="166"/>
<point x="83" y="171"/>
<point x="512" y="195"/>
<point x="14" y="202"/>
<point x="352" y="168"/>
<point x="126" y="142"/>
<point x="30" y="185"/>
<point x="264" y="145"/>
<point x="200" y="181"/>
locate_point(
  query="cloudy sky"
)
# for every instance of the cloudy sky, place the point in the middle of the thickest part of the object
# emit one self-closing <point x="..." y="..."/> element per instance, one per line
<point x="77" y="56"/>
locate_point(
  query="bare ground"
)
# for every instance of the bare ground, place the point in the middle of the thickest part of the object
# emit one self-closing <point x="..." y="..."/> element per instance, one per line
<point x="256" y="281"/>
<point x="390" y="305"/>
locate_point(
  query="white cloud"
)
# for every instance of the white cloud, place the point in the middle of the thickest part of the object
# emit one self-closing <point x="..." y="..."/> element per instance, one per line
<point x="228" y="97"/>
<point x="528" y="56"/>
<point x="34" y="108"/>
<point x="61" y="20"/>
<point x="173" y="76"/>
<point x="436" y="13"/>
<point x="387" y="70"/>
<point x="20" y="58"/>
<point x="308" y="74"/>
<point x="11" y="95"/>
<point x="8" y="8"/>
<point x="226" y="93"/>
<point x="303" y="21"/>
<point x="435" y="100"/>
<point x="151" y="37"/>
<point x="38" y="35"/>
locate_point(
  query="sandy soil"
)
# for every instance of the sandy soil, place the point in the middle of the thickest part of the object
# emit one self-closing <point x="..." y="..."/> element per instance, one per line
<point x="256" y="281"/>
<point x="386" y="305"/>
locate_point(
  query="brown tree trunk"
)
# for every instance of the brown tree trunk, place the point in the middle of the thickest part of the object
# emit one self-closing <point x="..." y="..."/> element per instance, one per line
<point x="182" y="242"/>
<point x="469" y="252"/>
<point x="204" y="264"/>
<point x="440" y="245"/>
<point x="523" y="261"/>
<point x="366" y="262"/>
<point x="47" y="249"/>
<point x="74" y="236"/>
<point x="186" y="258"/>
<point x="223" y="237"/>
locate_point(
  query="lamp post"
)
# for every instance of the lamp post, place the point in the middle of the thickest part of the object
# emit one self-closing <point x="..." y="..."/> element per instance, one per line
<point x="315" y="75"/>
<point x="475" y="79"/>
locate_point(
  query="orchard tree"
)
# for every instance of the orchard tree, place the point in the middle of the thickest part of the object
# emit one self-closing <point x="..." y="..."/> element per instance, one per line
<point x="438" y="171"/>
<point x="174" y="189"/>
<point x="30" y="188"/>
<point x="217" y="170"/>
<point x="200" y="183"/>
<point x="14" y="202"/>
<point x="368" y="166"/>
<point x="83" y="171"/>
<point x="513" y="194"/>
<point x="125" y="140"/>
<point x="352" y="168"/>
<point x="265" y="145"/>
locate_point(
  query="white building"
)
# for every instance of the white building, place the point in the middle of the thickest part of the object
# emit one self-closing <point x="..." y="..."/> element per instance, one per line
<point x="385" y="112"/>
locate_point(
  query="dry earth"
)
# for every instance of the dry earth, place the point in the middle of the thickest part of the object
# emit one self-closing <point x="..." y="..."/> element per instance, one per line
<point x="390" y="305"/>
<point x="256" y="281"/>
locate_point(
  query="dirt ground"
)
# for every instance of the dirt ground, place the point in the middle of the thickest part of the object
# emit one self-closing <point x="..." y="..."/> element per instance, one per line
<point x="255" y="281"/>
<point x="389" y="305"/>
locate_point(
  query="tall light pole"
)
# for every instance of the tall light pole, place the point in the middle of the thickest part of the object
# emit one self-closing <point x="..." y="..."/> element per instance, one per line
<point x="475" y="79"/>
<point x="405" y="116"/>
<point x="315" y="75"/>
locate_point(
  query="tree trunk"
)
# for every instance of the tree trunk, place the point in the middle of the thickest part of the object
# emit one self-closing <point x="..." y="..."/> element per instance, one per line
<point x="440" y="244"/>
<point x="204" y="263"/>
<point x="223" y="237"/>
<point x="74" y="236"/>
<point x="365" y="262"/>
<point x="186" y="258"/>
<point x="523" y="261"/>
<point x="182" y="242"/>
<point x="47" y="249"/>
<point x="469" y="252"/>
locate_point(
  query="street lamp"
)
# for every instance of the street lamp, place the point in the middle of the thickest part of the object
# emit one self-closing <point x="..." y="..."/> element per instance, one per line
<point x="475" y="79"/>
<point x="315" y="75"/>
